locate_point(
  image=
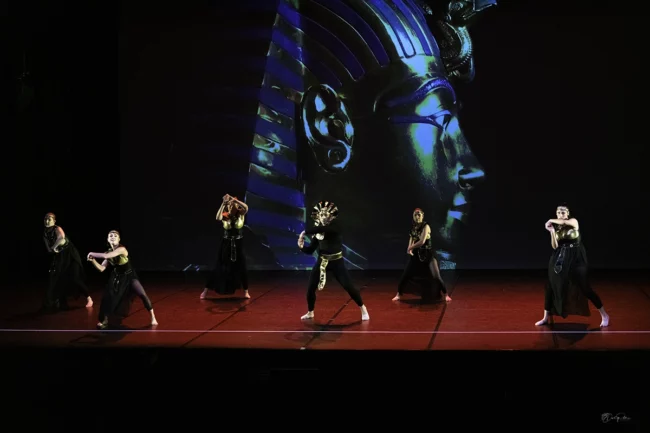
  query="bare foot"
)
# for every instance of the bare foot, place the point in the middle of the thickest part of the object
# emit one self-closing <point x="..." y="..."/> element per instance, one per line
<point x="204" y="294"/>
<point x="542" y="322"/>
<point x="246" y="295"/>
<point x="89" y="302"/>
<point x="308" y="316"/>
<point x="396" y="298"/>
<point x="605" y="321"/>
<point x="447" y="298"/>
<point x="364" y="313"/>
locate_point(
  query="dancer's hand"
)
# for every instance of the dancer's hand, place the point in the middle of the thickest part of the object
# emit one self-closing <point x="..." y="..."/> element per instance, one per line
<point x="409" y="251"/>
<point x="89" y="258"/>
<point x="549" y="226"/>
<point x="226" y="198"/>
<point x="301" y="240"/>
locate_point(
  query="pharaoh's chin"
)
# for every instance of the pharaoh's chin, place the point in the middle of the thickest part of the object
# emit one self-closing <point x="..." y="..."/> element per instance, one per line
<point x="619" y="417"/>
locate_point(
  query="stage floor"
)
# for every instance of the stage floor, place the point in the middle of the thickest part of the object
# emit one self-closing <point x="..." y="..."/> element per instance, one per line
<point x="489" y="311"/>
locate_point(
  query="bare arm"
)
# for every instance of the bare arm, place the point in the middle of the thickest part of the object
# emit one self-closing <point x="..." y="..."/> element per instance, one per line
<point x="220" y="211"/>
<point x="426" y="231"/>
<point x="243" y="205"/>
<point x="551" y="230"/>
<point x="100" y="268"/>
<point x="554" y="240"/>
<point x="60" y="239"/>
<point x="121" y="251"/>
<point x="570" y="222"/>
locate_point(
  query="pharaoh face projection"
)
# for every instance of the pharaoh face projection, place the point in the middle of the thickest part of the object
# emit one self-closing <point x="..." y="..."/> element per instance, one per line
<point x="358" y="105"/>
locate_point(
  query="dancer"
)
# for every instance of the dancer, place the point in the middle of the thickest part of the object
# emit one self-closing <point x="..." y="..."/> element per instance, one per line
<point x="329" y="244"/>
<point x="567" y="269"/>
<point x="122" y="283"/>
<point x="423" y="263"/>
<point x="230" y="272"/>
<point x="66" y="268"/>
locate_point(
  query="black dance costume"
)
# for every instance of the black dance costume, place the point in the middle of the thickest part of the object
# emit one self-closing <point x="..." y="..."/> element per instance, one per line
<point x="568" y="288"/>
<point x="122" y="284"/>
<point x="420" y="264"/>
<point x="329" y="244"/>
<point x="66" y="272"/>
<point x="230" y="272"/>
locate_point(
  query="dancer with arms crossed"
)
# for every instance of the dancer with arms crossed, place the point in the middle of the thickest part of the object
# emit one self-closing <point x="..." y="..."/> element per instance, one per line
<point x="568" y="288"/>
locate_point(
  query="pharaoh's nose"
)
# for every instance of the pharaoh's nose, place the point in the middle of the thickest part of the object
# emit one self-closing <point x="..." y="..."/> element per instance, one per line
<point x="469" y="178"/>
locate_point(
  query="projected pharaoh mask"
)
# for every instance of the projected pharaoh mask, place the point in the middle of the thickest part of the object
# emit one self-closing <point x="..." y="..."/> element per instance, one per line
<point x="358" y="105"/>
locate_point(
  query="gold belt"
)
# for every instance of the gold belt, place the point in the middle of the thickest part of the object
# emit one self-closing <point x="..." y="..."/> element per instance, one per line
<point x="324" y="260"/>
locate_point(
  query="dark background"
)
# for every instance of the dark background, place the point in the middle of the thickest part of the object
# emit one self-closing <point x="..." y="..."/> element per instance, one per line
<point x="141" y="117"/>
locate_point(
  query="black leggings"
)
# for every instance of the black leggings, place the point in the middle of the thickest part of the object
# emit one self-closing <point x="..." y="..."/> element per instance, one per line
<point x="581" y="279"/>
<point x="136" y="286"/>
<point x="410" y="271"/>
<point x="337" y="267"/>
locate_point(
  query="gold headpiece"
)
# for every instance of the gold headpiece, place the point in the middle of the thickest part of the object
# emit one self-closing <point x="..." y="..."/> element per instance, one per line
<point x="325" y="208"/>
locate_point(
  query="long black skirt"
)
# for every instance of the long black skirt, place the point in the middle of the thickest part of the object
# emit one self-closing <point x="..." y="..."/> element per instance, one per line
<point x="419" y="268"/>
<point x="567" y="298"/>
<point x="66" y="276"/>
<point x="230" y="271"/>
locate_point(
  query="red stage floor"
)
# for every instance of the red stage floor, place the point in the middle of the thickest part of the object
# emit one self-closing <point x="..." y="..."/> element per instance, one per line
<point x="488" y="312"/>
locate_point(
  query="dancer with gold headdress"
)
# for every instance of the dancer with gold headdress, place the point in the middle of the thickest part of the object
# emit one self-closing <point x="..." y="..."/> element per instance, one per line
<point x="422" y="261"/>
<point x="230" y="272"/>
<point x="326" y="239"/>
<point x="568" y="288"/>
<point x="122" y="283"/>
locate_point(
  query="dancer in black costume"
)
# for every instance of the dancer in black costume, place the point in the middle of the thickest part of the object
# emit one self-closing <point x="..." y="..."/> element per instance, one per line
<point x="122" y="283"/>
<point x="326" y="239"/>
<point x="422" y="261"/>
<point x="66" y="269"/>
<point x="230" y="272"/>
<point x="568" y="288"/>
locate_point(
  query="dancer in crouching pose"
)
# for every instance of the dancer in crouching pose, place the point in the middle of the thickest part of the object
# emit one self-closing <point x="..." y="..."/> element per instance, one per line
<point x="327" y="241"/>
<point x="66" y="269"/>
<point x="122" y="283"/>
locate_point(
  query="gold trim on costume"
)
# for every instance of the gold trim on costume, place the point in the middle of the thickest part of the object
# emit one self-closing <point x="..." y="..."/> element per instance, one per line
<point x="324" y="260"/>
